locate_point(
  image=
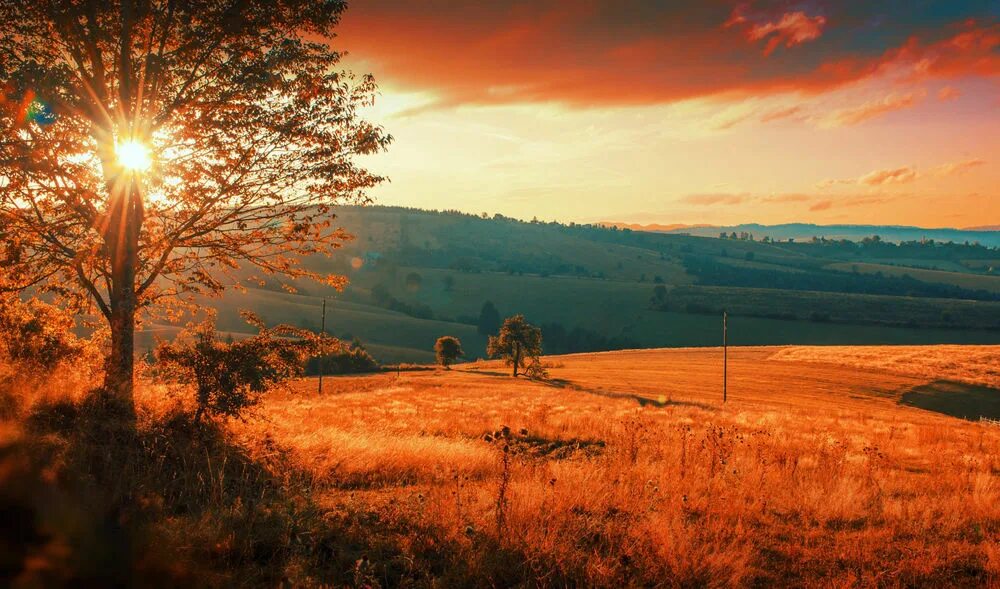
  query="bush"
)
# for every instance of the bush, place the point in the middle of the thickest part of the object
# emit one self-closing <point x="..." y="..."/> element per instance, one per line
<point x="230" y="377"/>
<point x="353" y="359"/>
<point x="37" y="350"/>
<point x="447" y="350"/>
<point x="35" y="337"/>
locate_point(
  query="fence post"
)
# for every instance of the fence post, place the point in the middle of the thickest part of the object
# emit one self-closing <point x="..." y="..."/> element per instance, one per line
<point x="322" y="336"/>
<point x="725" y="356"/>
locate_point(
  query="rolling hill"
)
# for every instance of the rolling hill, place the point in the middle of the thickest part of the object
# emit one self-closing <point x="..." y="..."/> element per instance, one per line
<point x="416" y="275"/>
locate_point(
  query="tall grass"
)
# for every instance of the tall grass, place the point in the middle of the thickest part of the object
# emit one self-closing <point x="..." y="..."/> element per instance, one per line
<point x="605" y="491"/>
<point x="624" y="469"/>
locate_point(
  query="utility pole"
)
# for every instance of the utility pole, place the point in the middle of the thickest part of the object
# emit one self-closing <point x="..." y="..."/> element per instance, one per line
<point x="725" y="355"/>
<point x="322" y="336"/>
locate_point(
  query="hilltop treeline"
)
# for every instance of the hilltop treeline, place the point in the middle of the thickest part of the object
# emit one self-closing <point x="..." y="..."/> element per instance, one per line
<point x="709" y="271"/>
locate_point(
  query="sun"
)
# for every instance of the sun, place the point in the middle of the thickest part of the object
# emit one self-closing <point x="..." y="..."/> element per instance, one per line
<point x="133" y="155"/>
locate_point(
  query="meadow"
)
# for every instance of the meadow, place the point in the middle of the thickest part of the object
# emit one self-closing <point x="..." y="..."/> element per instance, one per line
<point x="625" y="469"/>
<point x="844" y="466"/>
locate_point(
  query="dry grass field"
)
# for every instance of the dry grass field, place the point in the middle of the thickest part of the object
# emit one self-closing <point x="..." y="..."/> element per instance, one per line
<point x="626" y="469"/>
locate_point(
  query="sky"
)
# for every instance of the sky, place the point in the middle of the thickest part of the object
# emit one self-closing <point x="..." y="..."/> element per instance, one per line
<point x="710" y="111"/>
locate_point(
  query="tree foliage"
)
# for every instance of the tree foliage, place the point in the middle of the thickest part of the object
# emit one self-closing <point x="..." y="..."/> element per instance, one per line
<point x="448" y="349"/>
<point x="489" y="319"/>
<point x="349" y="359"/>
<point x="230" y="376"/>
<point x="252" y="130"/>
<point x="519" y="343"/>
<point x="36" y="339"/>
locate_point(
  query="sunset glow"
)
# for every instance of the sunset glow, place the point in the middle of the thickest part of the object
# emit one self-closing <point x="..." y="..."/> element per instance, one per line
<point x="709" y="112"/>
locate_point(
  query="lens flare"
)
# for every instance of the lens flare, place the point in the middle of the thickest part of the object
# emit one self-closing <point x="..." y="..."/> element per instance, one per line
<point x="39" y="113"/>
<point x="133" y="155"/>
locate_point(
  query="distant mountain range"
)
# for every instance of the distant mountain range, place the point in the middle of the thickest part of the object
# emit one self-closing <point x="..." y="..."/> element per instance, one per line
<point x="986" y="235"/>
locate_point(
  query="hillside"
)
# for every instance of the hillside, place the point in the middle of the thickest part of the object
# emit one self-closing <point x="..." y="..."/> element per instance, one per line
<point x="416" y="275"/>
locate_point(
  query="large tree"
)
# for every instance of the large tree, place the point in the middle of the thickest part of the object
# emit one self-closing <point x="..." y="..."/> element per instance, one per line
<point x="149" y="148"/>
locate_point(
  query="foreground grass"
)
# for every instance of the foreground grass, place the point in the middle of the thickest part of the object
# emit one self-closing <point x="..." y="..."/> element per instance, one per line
<point x="630" y="471"/>
<point x="622" y="469"/>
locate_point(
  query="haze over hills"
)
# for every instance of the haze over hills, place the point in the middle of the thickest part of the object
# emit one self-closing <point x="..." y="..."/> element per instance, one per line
<point x="416" y="275"/>
<point x="988" y="235"/>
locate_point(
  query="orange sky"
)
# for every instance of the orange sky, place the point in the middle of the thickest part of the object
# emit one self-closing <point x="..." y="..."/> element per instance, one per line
<point x="770" y="112"/>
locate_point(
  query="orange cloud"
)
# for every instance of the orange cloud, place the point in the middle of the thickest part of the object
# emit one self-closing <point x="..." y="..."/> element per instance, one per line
<point x="789" y="197"/>
<point x="874" y="108"/>
<point x="779" y="114"/>
<point x="957" y="167"/>
<point x="632" y="52"/>
<point x="948" y="93"/>
<point x="792" y="29"/>
<point x="716" y="199"/>
<point x="895" y="176"/>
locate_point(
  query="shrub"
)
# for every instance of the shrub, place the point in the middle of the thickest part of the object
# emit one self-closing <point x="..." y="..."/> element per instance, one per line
<point x="352" y="359"/>
<point x="35" y="336"/>
<point x="230" y="377"/>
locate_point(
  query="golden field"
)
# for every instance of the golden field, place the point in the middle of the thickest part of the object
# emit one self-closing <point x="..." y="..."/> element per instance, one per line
<point x="822" y="469"/>
<point x="826" y="467"/>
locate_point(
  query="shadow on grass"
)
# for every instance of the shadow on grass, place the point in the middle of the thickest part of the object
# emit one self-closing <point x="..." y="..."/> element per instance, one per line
<point x="965" y="401"/>
<point x="88" y="498"/>
<point x="562" y="383"/>
<point x="158" y="502"/>
<point x="642" y="401"/>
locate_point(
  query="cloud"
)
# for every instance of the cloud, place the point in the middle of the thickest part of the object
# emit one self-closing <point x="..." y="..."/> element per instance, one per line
<point x="894" y="176"/>
<point x="793" y="28"/>
<point x="821" y="205"/>
<point x="716" y="199"/>
<point x="874" y="108"/>
<point x="634" y="52"/>
<point x="948" y="93"/>
<point x="957" y="167"/>
<point x="735" y="198"/>
<point x="904" y="174"/>
<point x="823" y="184"/>
<point x="782" y="113"/>
<point x="788" y="197"/>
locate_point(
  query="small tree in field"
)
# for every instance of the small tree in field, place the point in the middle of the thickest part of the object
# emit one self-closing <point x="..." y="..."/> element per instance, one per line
<point x="519" y="343"/>
<point x="230" y="377"/>
<point x="448" y="349"/>
<point x="150" y="148"/>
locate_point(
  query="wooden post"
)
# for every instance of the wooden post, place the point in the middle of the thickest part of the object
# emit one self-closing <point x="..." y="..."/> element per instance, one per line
<point x="322" y="335"/>
<point x="725" y="356"/>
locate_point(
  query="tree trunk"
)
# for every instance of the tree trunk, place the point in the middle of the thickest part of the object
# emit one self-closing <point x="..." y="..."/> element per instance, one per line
<point x="119" y="367"/>
<point x="517" y="357"/>
<point x="121" y="237"/>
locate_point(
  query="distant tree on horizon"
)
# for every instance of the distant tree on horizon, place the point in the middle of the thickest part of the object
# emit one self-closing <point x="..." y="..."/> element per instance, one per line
<point x="659" y="294"/>
<point x="489" y="320"/>
<point x="517" y="342"/>
<point x="447" y="350"/>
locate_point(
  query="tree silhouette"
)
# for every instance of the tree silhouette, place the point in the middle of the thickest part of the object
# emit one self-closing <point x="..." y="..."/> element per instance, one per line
<point x="517" y="342"/>
<point x="148" y="148"/>
<point x="447" y="349"/>
<point x="489" y="319"/>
